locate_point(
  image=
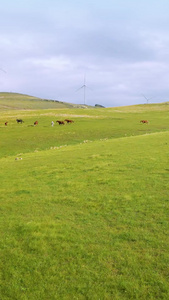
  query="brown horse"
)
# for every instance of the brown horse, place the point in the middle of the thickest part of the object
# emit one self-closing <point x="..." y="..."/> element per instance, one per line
<point x="69" y="121"/>
<point x="35" y="123"/>
<point x="60" y="122"/>
<point x="6" y="123"/>
<point x="144" y="121"/>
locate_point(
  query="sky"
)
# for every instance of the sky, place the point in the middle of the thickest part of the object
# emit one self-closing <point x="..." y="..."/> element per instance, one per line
<point x="112" y="52"/>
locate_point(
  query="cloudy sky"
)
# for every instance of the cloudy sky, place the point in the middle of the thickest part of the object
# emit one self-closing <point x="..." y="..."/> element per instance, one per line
<point x="120" y="48"/>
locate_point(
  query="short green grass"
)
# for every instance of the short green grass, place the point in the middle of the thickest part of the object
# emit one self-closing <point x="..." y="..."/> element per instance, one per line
<point x="17" y="101"/>
<point x="84" y="214"/>
<point x="89" y="124"/>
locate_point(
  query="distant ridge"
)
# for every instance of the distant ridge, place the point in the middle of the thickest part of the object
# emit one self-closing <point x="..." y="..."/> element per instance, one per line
<point x="9" y="101"/>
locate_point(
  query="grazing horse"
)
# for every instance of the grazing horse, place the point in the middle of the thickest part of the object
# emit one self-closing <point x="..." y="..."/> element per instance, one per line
<point x="69" y="121"/>
<point x="19" y="121"/>
<point x="144" y="121"/>
<point x="60" y="122"/>
<point x="35" y="123"/>
<point x="6" y="123"/>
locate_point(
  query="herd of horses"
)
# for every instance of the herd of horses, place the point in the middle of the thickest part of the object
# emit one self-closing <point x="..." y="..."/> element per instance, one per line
<point x="36" y="122"/>
<point x="68" y="121"/>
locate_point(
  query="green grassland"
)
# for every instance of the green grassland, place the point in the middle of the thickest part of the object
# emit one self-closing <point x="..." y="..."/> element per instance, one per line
<point x="20" y="101"/>
<point x="84" y="213"/>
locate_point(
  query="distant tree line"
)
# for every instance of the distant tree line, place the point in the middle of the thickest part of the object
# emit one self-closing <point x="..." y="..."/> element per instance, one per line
<point x="98" y="105"/>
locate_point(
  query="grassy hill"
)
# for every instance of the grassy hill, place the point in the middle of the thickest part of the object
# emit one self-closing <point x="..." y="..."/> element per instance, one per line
<point x="84" y="207"/>
<point x="19" y="101"/>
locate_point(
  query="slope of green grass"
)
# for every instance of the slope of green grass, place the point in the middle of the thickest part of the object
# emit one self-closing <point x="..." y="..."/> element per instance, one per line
<point x="15" y="101"/>
<point x="87" y="221"/>
<point x="84" y="213"/>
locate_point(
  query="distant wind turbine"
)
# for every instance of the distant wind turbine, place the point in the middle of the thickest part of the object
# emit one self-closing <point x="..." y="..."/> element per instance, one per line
<point x="147" y="98"/>
<point x="84" y="89"/>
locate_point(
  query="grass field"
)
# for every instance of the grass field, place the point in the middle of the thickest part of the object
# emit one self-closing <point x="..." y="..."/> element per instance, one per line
<point x="84" y="214"/>
<point x="15" y="101"/>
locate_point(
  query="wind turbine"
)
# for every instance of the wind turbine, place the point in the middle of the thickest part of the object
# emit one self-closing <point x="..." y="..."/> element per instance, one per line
<point x="84" y="89"/>
<point x="147" y="98"/>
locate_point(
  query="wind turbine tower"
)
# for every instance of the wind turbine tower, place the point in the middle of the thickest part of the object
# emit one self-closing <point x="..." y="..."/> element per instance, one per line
<point x="84" y="90"/>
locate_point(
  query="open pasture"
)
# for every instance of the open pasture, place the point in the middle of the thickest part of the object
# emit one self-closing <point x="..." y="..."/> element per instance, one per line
<point x="88" y="220"/>
<point x="89" y="124"/>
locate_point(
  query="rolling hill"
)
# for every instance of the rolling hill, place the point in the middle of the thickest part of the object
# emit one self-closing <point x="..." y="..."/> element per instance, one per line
<point x="16" y="101"/>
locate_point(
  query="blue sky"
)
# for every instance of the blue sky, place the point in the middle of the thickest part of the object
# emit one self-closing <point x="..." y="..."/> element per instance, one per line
<point x="121" y="47"/>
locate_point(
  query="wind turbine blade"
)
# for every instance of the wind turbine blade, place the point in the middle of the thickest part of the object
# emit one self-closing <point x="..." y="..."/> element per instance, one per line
<point x="80" y="88"/>
<point x="144" y="96"/>
<point x="3" y="70"/>
<point x="150" y="98"/>
<point x="88" y="88"/>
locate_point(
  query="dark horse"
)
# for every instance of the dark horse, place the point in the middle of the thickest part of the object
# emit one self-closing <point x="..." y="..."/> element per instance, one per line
<point x="19" y="121"/>
<point x="69" y="121"/>
<point x="6" y="123"/>
<point x="144" y="121"/>
<point x="60" y="122"/>
<point x="35" y="123"/>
